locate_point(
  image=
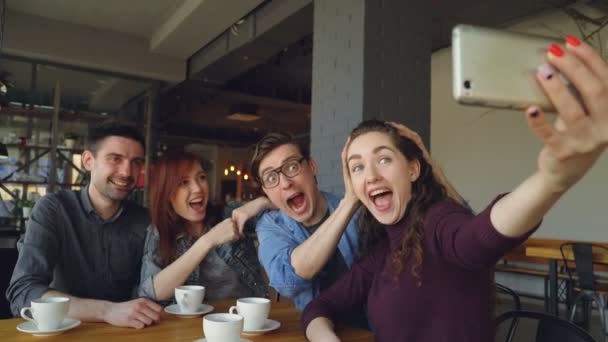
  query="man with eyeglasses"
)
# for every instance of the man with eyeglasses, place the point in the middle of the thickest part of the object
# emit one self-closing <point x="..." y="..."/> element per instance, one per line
<point x="312" y="239"/>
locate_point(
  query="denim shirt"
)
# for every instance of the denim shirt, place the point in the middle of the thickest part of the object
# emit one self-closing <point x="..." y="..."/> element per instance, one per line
<point x="239" y="256"/>
<point x="279" y="235"/>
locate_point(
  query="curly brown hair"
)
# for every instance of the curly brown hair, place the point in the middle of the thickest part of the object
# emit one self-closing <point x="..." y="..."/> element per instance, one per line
<point x="426" y="191"/>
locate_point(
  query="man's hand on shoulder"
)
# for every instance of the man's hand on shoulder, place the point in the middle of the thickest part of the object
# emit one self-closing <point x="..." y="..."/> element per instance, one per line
<point x="137" y="313"/>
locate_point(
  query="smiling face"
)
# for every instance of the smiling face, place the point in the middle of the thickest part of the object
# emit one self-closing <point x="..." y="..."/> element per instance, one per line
<point x="189" y="199"/>
<point x="381" y="176"/>
<point x="114" y="168"/>
<point x="297" y="196"/>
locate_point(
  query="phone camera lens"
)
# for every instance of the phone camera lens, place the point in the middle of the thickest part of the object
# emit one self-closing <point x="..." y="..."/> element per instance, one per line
<point x="467" y="84"/>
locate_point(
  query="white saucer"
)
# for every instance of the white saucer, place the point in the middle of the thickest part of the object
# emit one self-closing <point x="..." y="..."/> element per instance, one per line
<point x="202" y="309"/>
<point x="268" y="326"/>
<point x="31" y="328"/>
<point x="205" y="340"/>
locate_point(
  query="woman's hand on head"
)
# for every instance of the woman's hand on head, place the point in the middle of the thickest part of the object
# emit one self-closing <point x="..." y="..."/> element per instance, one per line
<point x="406" y="132"/>
<point x="579" y="135"/>
<point x="223" y="232"/>
<point x="349" y="193"/>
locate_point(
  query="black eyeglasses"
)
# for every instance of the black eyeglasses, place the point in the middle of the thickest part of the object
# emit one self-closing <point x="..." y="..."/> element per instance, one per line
<point x="290" y="169"/>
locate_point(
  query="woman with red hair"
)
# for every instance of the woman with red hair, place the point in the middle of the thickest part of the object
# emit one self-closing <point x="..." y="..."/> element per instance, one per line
<point x="185" y="246"/>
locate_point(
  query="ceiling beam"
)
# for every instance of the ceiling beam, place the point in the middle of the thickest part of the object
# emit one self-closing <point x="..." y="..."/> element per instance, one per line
<point x="234" y="136"/>
<point x="196" y="23"/>
<point x="264" y="32"/>
<point x="81" y="46"/>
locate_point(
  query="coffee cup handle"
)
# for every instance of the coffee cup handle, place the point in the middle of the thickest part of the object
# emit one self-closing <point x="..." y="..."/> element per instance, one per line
<point x="234" y="310"/>
<point x="24" y="316"/>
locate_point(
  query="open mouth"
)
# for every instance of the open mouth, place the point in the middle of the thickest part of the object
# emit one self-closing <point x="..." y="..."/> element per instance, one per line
<point x="296" y="201"/>
<point x="381" y="198"/>
<point x="197" y="204"/>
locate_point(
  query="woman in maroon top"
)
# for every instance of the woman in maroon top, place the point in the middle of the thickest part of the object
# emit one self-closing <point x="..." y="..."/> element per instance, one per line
<point x="426" y="273"/>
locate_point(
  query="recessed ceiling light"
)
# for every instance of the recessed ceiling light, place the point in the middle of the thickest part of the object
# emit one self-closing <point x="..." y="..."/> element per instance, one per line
<point x="246" y="112"/>
<point x="243" y="117"/>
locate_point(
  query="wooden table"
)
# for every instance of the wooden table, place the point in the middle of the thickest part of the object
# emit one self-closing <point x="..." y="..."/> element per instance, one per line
<point x="599" y="255"/>
<point x="172" y="328"/>
<point x="554" y="254"/>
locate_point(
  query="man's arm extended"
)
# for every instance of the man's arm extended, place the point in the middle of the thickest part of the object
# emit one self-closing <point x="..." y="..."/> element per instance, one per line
<point x="136" y="313"/>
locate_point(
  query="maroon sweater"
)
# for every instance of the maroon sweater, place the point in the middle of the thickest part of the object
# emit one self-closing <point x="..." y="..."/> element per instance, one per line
<point x="455" y="300"/>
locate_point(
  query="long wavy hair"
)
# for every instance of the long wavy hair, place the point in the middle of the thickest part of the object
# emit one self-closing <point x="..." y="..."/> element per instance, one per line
<point x="169" y="171"/>
<point x="426" y="191"/>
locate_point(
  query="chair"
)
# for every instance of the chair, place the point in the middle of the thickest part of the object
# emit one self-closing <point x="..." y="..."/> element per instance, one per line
<point x="8" y="257"/>
<point x="548" y="329"/>
<point x="583" y="279"/>
<point x="514" y="296"/>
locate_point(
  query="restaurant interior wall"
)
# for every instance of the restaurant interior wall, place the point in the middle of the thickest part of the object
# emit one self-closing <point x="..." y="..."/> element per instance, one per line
<point x="240" y="159"/>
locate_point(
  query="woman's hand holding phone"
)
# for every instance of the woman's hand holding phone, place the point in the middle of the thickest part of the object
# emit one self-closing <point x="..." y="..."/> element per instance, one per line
<point x="579" y="135"/>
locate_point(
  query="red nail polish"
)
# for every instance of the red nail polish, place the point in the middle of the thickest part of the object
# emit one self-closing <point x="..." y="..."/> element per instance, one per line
<point x="570" y="39"/>
<point x="555" y="50"/>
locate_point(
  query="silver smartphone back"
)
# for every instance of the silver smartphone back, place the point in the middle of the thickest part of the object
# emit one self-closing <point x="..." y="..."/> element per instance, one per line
<point x="494" y="68"/>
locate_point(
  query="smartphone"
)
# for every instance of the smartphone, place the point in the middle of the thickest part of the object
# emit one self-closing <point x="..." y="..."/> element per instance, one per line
<point x="494" y="68"/>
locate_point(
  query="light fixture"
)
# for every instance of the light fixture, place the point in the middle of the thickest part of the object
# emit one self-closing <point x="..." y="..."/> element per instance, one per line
<point x="5" y="84"/>
<point x="225" y="172"/>
<point x="245" y="112"/>
<point x="238" y="172"/>
<point x="246" y="177"/>
<point x="3" y="151"/>
<point x="231" y="168"/>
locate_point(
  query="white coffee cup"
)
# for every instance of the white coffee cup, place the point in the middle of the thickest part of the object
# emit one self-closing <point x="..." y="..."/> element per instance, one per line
<point x="47" y="313"/>
<point x="223" y="327"/>
<point x="189" y="297"/>
<point x="254" y="310"/>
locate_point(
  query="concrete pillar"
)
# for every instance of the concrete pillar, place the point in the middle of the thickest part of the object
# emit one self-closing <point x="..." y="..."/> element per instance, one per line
<point x="371" y="59"/>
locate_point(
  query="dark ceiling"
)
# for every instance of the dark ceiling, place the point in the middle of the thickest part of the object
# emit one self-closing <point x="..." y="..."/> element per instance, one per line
<point x="287" y="75"/>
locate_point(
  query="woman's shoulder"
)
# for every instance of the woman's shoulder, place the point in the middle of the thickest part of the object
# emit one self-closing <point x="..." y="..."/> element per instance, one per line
<point x="447" y="206"/>
<point x="152" y="236"/>
<point x="448" y="210"/>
